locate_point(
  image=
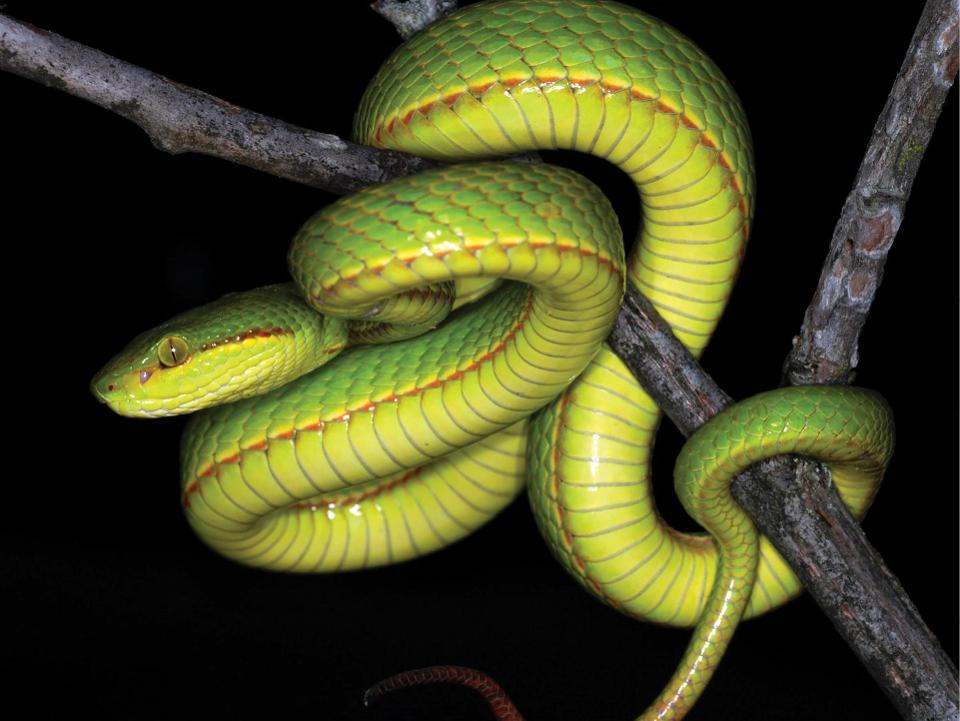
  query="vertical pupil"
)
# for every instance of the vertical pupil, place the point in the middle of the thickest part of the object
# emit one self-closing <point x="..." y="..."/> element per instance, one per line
<point x="173" y="349"/>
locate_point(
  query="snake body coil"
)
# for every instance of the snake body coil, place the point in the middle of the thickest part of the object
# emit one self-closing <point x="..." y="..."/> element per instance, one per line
<point x="391" y="451"/>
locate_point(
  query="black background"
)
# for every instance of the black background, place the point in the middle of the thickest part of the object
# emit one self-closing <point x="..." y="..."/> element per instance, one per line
<point x="117" y="609"/>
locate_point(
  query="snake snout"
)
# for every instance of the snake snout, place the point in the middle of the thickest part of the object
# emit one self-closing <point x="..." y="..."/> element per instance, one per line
<point x="104" y="388"/>
<point x="112" y="388"/>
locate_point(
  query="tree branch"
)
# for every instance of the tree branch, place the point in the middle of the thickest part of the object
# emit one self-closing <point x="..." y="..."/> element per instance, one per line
<point x="179" y="119"/>
<point x="411" y="16"/>
<point x="826" y="349"/>
<point x="805" y="520"/>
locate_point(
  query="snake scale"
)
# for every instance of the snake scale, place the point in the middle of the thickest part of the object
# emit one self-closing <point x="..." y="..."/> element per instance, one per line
<point x="442" y="345"/>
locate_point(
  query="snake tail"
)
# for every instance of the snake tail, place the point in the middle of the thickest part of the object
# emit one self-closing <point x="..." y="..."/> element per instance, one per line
<point x="500" y="704"/>
<point x="848" y="429"/>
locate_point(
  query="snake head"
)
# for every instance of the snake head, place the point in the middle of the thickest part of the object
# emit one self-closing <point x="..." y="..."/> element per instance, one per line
<point x="241" y="345"/>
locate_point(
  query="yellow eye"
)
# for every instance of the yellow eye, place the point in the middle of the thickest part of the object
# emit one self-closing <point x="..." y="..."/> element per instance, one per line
<point x="172" y="351"/>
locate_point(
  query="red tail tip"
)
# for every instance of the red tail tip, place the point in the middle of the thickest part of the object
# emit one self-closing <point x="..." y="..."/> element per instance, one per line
<point x="501" y="705"/>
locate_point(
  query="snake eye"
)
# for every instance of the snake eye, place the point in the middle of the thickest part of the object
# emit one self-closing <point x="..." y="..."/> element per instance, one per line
<point x="172" y="351"/>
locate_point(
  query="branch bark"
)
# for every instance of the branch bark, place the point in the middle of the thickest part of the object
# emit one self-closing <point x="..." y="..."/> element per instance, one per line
<point x="789" y="499"/>
<point x="179" y="119"/>
<point x="826" y="349"/>
<point x="410" y="16"/>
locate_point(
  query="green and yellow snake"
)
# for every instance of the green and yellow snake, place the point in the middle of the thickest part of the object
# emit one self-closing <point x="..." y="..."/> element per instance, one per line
<point x="394" y="449"/>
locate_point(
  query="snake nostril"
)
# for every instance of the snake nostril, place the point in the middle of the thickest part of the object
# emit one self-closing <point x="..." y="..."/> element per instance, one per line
<point x="99" y="389"/>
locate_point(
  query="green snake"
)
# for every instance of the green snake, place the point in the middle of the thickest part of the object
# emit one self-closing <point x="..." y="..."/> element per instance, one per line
<point x="442" y="345"/>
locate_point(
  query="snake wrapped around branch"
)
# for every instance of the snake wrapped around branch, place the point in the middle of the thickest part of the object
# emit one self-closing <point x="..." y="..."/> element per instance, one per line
<point x="442" y="344"/>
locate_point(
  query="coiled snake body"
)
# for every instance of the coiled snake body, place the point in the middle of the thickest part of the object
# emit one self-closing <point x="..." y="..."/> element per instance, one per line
<point x="393" y="450"/>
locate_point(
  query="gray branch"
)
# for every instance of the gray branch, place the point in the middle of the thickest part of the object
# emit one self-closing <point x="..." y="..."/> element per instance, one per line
<point x="826" y="349"/>
<point x="789" y="499"/>
<point x="411" y="16"/>
<point x="179" y="119"/>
